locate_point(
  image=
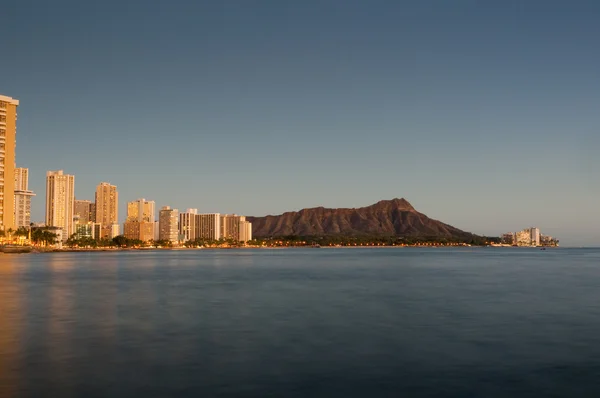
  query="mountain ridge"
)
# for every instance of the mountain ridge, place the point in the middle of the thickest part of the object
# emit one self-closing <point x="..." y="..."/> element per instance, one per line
<point x="395" y="217"/>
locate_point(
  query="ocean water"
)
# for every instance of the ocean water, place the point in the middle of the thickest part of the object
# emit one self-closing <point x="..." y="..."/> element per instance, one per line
<point x="469" y="322"/>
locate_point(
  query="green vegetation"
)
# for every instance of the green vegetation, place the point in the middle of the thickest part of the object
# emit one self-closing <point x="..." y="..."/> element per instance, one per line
<point x="88" y="242"/>
<point x="365" y="240"/>
<point x="201" y="242"/>
<point x="43" y="236"/>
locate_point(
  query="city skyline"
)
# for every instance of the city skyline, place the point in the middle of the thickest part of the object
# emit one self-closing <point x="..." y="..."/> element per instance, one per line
<point x="140" y="211"/>
<point x="484" y="116"/>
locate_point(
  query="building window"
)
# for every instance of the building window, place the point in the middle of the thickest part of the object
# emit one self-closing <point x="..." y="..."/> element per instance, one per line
<point x="2" y="133"/>
<point x="2" y="118"/>
<point x="2" y="105"/>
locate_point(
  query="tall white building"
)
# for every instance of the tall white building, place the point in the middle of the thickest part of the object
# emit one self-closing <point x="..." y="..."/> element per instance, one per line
<point x="535" y="236"/>
<point x="208" y="226"/>
<point x="245" y="231"/>
<point x="167" y="224"/>
<point x="60" y="198"/>
<point x="187" y="224"/>
<point x="22" y="198"/>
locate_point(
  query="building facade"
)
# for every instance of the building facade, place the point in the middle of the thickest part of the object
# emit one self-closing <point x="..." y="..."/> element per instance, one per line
<point x="139" y="223"/>
<point x="83" y="210"/>
<point x="84" y="230"/>
<point x="60" y="198"/>
<point x="535" y="236"/>
<point x="528" y="237"/>
<point x="8" y="142"/>
<point x="141" y="210"/>
<point x="187" y="224"/>
<point x="245" y="231"/>
<point x="93" y="212"/>
<point x="114" y="231"/>
<point x="208" y="226"/>
<point x="22" y="202"/>
<point x="236" y="228"/>
<point x="167" y="223"/>
<point x="107" y="210"/>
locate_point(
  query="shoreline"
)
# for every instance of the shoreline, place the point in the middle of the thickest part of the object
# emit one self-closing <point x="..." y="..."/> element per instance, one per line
<point x="36" y="250"/>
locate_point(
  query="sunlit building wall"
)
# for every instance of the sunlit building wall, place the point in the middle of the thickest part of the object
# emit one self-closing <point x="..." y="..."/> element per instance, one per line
<point x="208" y="226"/>
<point x="22" y="202"/>
<point x="167" y="220"/>
<point x="187" y="224"/>
<point x="107" y="211"/>
<point x="8" y="142"/>
<point x="60" y="198"/>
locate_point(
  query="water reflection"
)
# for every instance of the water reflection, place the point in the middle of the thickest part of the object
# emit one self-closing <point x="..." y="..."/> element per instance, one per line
<point x="295" y="323"/>
<point x="11" y="319"/>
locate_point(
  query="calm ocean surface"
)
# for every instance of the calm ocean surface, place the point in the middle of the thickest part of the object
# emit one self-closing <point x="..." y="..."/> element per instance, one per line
<point x="472" y="322"/>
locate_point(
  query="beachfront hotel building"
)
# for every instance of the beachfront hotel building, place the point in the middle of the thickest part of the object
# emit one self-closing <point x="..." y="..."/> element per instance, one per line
<point x="60" y="198"/>
<point x="139" y="223"/>
<point x="141" y="210"/>
<point x="107" y="211"/>
<point x="167" y="224"/>
<point x="23" y="197"/>
<point x="245" y="231"/>
<point x="528" y="237"/>
<point x="236" y="228"/>
<point x="187" y="224"/>
<point x="8" y="141"/>
<point x="208" y="226"/>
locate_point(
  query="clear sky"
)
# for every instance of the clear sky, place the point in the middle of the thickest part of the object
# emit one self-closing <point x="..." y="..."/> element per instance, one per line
<point x="483" y="114"/>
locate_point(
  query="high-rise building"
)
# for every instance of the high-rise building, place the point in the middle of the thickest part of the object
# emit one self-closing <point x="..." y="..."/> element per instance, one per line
<point x="60" y="198"/>
<point x="8" y="142"/>
<point x="83" y="210"/>
<point x="22" y="198"/>
<point x="236" y="228"/>
<point x="245" y="231"/>
<point x="167" y="224"/>
<point x="208" y="226"/>
<point x="139" y="223"/>
<point x="187" y="224"/>
<point x="528" y="237"/>
<point x="535" y="236"/>
<point x="107" y="211"/>
<point x="93" y="212"/>
<point x="140" y="210"/>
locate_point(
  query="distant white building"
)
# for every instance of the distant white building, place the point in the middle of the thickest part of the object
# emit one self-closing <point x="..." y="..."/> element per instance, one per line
<point x="187" y="224"/>
<point x="535" y="236"/>
<point x="22" y="198"/>
<point x="528" y="237"/>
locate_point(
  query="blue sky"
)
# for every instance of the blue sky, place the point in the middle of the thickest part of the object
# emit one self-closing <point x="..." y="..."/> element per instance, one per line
<point x="482" y="114"/>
